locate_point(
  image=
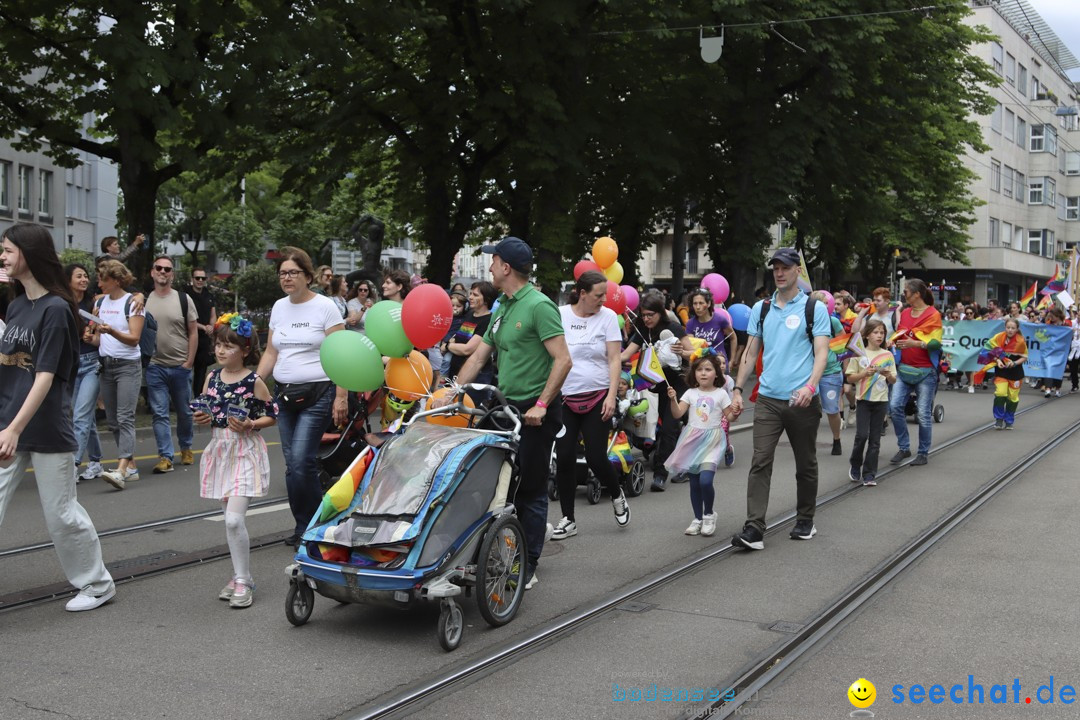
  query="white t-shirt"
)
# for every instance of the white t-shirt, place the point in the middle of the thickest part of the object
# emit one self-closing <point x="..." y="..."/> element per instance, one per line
<point x="299" y="330"/>
<point x="706" y="408"/>
<point x="587" y="338"/>
<point x="112" y="314"/>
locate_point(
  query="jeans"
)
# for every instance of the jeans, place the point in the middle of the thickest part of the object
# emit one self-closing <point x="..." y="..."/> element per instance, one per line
<point x="534" y="461"/>
<point x="594" y="432"/>
<point x="773" y="418"/>
<point x="162" y="385"/>
<point x="869" y="420"/>
<point x="301" y="433"/>
<point x="120" y="382"/>
<point x="84" y="402"/>
<point x="924" y="402"/>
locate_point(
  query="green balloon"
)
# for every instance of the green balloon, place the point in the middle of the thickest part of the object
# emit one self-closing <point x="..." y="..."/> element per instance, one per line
<point x="352" y="361"/>
<point x="622" y="322"/>
<point x="382" y="323"/>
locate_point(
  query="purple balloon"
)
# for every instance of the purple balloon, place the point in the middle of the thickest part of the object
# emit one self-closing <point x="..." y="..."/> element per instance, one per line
<point x="632" y="297"/>
<point x="717" y="284"/>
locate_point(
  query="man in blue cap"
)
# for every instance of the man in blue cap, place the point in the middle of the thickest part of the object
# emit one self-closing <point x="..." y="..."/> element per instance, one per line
<point x="795" y="337"/>
<point x="533" y="361"/>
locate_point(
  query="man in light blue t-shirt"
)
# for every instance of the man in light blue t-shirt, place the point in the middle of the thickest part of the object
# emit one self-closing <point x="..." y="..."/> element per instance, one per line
<point x="787" y="401"/>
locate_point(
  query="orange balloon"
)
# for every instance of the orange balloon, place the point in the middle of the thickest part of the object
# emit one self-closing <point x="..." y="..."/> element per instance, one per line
<point x="409" y="377"/>
<point x="455" y="420"/>
<point x="605" y="252"/>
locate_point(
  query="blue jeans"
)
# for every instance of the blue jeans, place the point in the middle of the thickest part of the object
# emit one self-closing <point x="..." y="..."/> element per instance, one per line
<point x="84" y="402"/>
<point x="301" y="432"/>
<point x="165" y="384"/>
<point x="924" y="402"/>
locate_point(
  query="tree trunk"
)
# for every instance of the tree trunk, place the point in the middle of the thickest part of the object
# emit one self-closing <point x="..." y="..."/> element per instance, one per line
<point x="139" y="183"/>
<point x="678" y="251"/>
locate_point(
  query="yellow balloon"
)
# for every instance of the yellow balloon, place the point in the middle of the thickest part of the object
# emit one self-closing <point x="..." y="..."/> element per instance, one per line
<point x="614" y="272"/>
<point x="605" y="252"/>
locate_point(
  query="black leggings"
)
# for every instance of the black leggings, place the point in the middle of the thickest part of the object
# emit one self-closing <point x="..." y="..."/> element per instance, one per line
<point x="1074" y="367"/>
<point x="594" y="431"/>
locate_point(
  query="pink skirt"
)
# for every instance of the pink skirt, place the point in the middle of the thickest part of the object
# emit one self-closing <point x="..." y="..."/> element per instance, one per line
<point x="234" y="465"/>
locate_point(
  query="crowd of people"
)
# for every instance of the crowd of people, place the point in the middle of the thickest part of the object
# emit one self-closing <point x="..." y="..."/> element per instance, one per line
<point x="573" y="372"/>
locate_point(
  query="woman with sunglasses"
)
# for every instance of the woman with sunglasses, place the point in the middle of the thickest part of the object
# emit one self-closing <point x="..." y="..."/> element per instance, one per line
<point x="359" y="301"/>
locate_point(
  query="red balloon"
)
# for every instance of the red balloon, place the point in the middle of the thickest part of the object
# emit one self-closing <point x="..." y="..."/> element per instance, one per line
<point x="585" y="266"/>
<point x="615" y="298"/>
<point x="426" y="315"/>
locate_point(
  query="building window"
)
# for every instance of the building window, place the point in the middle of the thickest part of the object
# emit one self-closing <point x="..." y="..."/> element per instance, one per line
<point x="1051" y="191"/>
<point x="1010" y="69"/>
<point x="995" y="232"/>
<point x="1007" y="182"/>
<point x="45" y="193"/>
<point x="1018" y="237"/>
<point x="995" y="119"/>
<point x="995" y="176"/>
<point x="1021" y="131"/>
<point x="1072" y="207"/>
<point x="1037" y="91"/>
<point x="24" y="188"/>
<point x="1035" y="238"/>
<point x="1020" y="187"/>
<point x="1051" y="139"/>
<point x="1038" y="139"/>
<point x="1010" y="124"/>
<point x="5" y="186"/>
<point x="997" y="54"/>
<point x="1006" y="234"/>
<point x="1021" y="80"/>
<point x="1035" y="191"/>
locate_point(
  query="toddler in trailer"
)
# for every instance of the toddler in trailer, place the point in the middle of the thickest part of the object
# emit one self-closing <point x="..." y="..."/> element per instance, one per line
<point x="702" y="443"/>
<point x="235" y="466"/>
<point x="871" y="375"/>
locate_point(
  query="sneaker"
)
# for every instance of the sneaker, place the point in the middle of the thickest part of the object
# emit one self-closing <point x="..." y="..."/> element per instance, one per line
<point x="984" y="386"/>
<point x="164" y="465"/>
<point x="187" y="457"/>
<point x="622" y="510"/>
<point x="1074" y="389"/>
<point x="971" y="389"/>
<point x="548" y="532"/>
<point x="853" y="473"/>
<point x="532" y="582"/>
<point x="869" y="481"/>
<point x="1047" y="394"/>
<point x="750" y="538"/>
<point x="131" y="475"/>
<point x="680" y="478"/>
<point x="708" y="524"/>
<point x="920" y="459"/>
<point x="804" y="530"/>
<point x="729" y="456"/>
<point x="694" y="529"/>
<point x="293" y="541"/>
<point x="1008" y="426"/>
<point x="243" y="594"/>
<point x="564" y="529"/>
<point x="114" y="478"/>
<point x="86" y="601"/>
<point x="900" y="457"/>
<point x="93" y="470"/>
<point x="999" y="424"/>
<point x="836" y="447"/>
<point x="227" y="591"/>
<point x="658" y="483"/>
<point x="1057" y="393"/>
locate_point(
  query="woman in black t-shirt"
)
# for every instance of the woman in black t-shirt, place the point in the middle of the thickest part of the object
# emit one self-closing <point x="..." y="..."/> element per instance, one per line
<point x="39" y="360"/>
<point x="471" y="333"/>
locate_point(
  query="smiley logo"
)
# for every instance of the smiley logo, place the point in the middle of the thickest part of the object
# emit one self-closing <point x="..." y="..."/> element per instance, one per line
<point x="862" y="693"/>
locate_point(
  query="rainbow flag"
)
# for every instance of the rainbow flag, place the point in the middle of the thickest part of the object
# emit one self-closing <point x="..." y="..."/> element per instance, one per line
<point x="839" y="343"/>
<point x="1029" y="295"/>
<point x="804" y="275"/>
<point x="1056" y="283"/>
<point x="927" y="328"/>
<point x="996" y="348"/>
<point x="847" y="319"/>
<point x="1046" y="303"/>
<point x="340" y="495"/>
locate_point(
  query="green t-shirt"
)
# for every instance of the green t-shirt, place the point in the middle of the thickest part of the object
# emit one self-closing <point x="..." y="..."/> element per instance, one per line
<point x="518" y="330"/>
<point x="832" y="365"/>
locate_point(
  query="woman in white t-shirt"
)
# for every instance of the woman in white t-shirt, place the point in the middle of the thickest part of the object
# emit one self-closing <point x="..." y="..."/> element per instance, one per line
<point x="589" y="393"/>
<point x="117" y="338"/>
<point x="299" y="323"/>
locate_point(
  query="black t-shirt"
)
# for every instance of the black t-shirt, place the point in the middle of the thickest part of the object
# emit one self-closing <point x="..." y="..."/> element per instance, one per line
<point x="471" y="326"/>
<point x="642" y="335"/>
<point x="204" y="304"/>
<point x="41" y="336"/>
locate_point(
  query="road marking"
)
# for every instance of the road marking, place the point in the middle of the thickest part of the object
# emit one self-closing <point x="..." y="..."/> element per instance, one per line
<point x="152" y="457"/>
<point x="256" y="511"/>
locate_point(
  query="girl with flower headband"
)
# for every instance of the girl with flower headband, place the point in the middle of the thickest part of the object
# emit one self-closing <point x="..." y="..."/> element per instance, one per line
<point x="235" y="466"/>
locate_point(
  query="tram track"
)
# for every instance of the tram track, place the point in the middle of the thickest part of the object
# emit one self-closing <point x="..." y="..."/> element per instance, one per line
<point x="400" y="703"/>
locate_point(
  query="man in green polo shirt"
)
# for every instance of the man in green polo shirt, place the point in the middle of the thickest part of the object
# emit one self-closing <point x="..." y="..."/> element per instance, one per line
<point x="533" y="362"/>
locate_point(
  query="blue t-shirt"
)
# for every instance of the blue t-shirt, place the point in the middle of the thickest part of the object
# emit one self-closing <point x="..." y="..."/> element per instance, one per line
<point x="789" y="357"/>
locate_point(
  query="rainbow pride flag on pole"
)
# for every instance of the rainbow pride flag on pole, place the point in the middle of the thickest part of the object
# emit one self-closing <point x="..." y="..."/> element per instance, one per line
<point x="1046" y="303"/>
<point x="1056" y="283"/>
<point x="1029" y="296"/>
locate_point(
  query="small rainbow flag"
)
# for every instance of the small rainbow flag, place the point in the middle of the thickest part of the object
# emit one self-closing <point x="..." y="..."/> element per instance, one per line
<point x="1046" y="303"/>
<point x="839" y="343"/>
<point x="1056" y="283"/>
<point x="340" y="495"/>
<point x="1029" y="295"/>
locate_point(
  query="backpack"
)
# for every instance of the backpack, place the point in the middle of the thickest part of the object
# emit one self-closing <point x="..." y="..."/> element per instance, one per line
<point x="148" y="338"/>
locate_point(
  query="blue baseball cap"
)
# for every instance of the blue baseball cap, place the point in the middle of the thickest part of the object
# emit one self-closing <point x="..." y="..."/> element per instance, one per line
<point x="787" y="255"/>
<point x="514" y="252"/>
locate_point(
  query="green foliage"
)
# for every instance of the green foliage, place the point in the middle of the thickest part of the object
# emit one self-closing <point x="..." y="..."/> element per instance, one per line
<point x="236" y="235"/>
<point x="82" y="257"/>
<point x="257" y="286"/>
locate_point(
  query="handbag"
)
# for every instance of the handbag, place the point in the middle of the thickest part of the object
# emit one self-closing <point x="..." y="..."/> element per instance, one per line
<point x="300" y="396"/>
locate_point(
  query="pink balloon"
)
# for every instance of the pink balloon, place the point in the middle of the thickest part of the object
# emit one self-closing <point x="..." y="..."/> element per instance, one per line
<point x="717" y="284"/>
<point x="830" y="301"/>
<point x="631" y="295"/>
<point x="583" y="267"/>
<point x="615" y="299"/>
<point x="722" y="313"/>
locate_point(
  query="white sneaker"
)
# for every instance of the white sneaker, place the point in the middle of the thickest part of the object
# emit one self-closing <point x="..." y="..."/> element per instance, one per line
<point x="549" y="532"/>
<point x="971" y="389"/>
<point x="93" y="470"/>
<point x="564" y="529"/>
<point x="86" y="601"/>
<point x="132" y="474"/>
<point x="708" y="524"/>
<point x="532" y="582"/>
<point x="694" y="529"/>
<point x="1057" y="393"/>
<point x="113" y="478"/>
<point x="622" y="510"/>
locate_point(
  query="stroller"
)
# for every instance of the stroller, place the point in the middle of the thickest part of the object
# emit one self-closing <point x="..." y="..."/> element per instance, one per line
<point x="425" y="517"/>
<point x="630" y="469"/>
<point x="911" y="408"/>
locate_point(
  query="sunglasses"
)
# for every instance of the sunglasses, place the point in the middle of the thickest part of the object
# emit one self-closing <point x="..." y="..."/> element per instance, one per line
<point x="362" y="288"/>
<point x="163" y="268"/>
<point x="199" y="277"/>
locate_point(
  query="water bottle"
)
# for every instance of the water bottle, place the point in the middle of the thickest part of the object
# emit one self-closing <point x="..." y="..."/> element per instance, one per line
<point x="794" y="397"/>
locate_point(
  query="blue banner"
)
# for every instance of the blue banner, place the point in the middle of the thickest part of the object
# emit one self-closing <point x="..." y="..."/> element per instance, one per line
<point x="1048" y="345"/>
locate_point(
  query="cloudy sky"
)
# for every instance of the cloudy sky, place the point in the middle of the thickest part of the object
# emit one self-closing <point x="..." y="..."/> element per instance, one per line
<point x="1063" y="16"/>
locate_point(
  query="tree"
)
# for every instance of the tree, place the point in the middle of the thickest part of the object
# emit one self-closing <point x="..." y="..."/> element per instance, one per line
<point x="257" y="286"/>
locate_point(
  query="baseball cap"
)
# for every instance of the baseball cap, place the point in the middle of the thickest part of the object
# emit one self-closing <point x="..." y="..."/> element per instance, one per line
<point x="514" y="252"/>
<point x="786" y="255"/>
